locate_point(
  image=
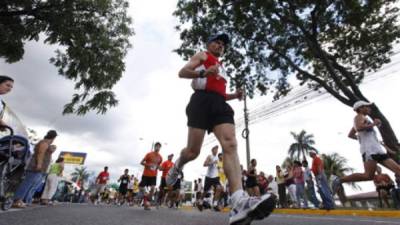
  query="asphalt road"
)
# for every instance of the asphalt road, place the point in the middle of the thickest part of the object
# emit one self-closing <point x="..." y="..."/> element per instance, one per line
<point x="75" y="214"/>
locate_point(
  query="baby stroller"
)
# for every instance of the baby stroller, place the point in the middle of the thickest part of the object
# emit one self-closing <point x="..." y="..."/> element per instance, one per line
<point x="14" y="154"/>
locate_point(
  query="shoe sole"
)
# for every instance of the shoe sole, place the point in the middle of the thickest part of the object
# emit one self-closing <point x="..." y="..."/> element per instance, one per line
<point x="260" y="211"/>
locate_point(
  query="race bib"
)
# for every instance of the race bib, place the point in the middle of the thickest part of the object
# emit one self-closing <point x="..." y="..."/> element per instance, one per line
<point x="199" y="83"/>
<point x="153" y="167"/>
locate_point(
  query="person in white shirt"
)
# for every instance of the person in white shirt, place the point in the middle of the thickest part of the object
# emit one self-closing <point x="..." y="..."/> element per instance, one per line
<point x="370" y="147"/>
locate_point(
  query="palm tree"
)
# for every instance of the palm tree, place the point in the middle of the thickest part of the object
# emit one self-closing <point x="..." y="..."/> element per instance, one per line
<point x="334" y="164"/>
<point x="80" y="175"/>
<point x="304" y="143"/>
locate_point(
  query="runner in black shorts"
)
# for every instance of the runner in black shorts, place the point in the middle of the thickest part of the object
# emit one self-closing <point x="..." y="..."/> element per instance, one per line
<point x="208" y="111"/>
<point x="123" y="187"/>
<point x="371" y="150"/>
<point x="151" y="163"/>
<point x="211" y="183"/>
<point x="212" y="180"/>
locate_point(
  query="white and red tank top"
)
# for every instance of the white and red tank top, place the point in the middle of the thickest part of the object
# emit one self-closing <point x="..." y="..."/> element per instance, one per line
<point x="213" y="83"/>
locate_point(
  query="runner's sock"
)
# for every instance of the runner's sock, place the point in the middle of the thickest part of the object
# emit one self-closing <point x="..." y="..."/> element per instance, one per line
<point x="236" y="196"/>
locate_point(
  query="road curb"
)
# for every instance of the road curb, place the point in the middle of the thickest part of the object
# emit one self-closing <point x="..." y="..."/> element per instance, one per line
<point x="335" y="212"/>
<point x="341" y="212"/>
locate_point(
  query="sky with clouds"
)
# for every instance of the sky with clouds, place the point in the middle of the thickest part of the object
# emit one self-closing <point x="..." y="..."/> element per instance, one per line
<point x="152" y="101"/>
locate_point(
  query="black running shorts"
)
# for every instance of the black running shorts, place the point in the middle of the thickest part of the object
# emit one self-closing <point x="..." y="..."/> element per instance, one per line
<point x="376" y="157"/>
<point x="208" y="109"/>
<point x="211" y="182"/>
<point x="148" y="181"/>
<point x="123" y="190"/>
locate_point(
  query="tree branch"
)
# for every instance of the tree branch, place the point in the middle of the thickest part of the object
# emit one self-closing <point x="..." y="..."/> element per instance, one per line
<point x="310" y="76"/>
<point x="319" y="53"/>
<point x="314" y="18"/>
<point x="347" y="75"/>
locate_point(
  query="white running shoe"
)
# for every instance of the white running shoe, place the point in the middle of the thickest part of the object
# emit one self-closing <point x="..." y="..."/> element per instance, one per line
<point x="172" y="176"/>
<point x="249" y="208"/>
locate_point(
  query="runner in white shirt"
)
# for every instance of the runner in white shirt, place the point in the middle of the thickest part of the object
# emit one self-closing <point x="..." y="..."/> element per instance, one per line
<point x="212" y="179"/>
<point x="370" y="148"/>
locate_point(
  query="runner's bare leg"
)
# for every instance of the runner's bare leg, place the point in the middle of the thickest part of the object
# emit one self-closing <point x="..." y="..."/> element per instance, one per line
<point x="192" y="150"/>
<point x="225" y="133"/>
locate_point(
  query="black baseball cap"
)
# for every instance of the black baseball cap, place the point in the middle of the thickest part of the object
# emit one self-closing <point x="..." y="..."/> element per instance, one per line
<point x="221" y="37"/>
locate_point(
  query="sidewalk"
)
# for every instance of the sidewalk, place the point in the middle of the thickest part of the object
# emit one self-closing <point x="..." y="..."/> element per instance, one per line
<point x="342" y="212"/>
<point x="335" y="212"/>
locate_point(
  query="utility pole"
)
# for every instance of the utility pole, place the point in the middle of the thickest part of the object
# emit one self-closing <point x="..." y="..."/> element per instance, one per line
<point x="246" y="131"/>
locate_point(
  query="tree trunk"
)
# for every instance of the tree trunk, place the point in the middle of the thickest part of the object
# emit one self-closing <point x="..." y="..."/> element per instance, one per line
<point x="387" y="133"/>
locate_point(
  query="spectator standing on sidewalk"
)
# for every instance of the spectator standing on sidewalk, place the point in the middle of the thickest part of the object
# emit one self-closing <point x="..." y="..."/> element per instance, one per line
<point x="52" y="180"/>
<point x="310" y="184"/>
<point x="251" y="182"/>
<point x="35" y="170"/>
<point x="291" y="186"/>
<point x="300" y="187"/>
<point x="322" y="182"/>
<point x="396" y="193"/>
<point x="280" y="180"/>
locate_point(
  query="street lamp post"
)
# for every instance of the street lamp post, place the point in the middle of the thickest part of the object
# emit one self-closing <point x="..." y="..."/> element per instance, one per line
<point x="246" y="131"/>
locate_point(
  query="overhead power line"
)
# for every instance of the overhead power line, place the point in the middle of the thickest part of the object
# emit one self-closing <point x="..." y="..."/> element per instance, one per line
<point x="302" y="96"/>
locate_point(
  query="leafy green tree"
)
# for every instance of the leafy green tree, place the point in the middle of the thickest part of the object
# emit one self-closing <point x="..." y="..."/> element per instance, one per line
<point x="303" y="144"/>
<point x="80" y="174"/>
<point x="324" y="43"/>
<point x="93" y="36"/>
<point x="335" y="164"/>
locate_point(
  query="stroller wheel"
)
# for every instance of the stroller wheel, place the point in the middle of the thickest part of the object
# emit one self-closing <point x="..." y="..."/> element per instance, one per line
<point x="7" y="204"/>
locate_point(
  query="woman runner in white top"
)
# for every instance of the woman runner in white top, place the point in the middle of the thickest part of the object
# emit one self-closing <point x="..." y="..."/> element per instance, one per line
<point x="370" y="148"/>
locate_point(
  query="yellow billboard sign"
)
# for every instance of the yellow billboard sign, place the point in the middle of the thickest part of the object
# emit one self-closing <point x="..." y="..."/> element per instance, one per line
<point x="77" y="158"/>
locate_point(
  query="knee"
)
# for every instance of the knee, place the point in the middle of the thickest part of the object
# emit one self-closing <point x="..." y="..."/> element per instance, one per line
<point x="229" y="145"/>
<point x="192" y="152"/>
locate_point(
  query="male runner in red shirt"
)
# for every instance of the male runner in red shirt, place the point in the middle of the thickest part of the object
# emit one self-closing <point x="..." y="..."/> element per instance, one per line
<point x="208" y="111"/>
<point x="151" y="163"/>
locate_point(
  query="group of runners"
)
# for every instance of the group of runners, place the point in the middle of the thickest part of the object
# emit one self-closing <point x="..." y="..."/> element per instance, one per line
<point x="208" y="112"/>
<point x="143" y="192"/>
<point x="127" y="191"/>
